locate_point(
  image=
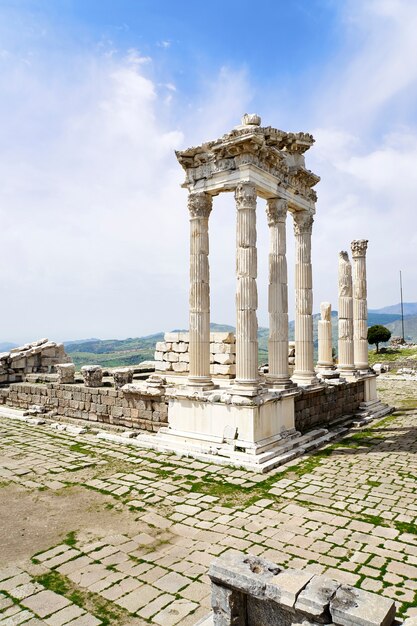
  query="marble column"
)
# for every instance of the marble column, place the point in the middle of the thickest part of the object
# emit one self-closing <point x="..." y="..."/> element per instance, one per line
<point x="304" y="373"/>
<point x="199" y="205"/>
<point x="276" y="211"/>
<point x="360" y="305"/>
<point x="247" y="375"/>
<point x="345" y="322"/>
<point x="325" y="360"/>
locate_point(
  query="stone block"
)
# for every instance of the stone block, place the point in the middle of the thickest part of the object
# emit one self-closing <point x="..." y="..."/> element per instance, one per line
<point x="286" y="586"/>
<point x="122" y="376"/>
<point x="315" y="598"/>
<point x="224" y="359"/>
<point x="93" y="375"/>
<point x="180" y="367"/>
<point x="223" y="348"/>
<point x="173" y="357"/>
<point x="229" y="607"/>
<point x="223" y="370"/>
<point x="172" y="337"/>
<point x="161" y="346"/>
<point x="158" y="356"/>
<point x="180" y="346"/>
<point x="355" y="607"/>
<point x="66" y="373"/>
<point x="223" y="337"/>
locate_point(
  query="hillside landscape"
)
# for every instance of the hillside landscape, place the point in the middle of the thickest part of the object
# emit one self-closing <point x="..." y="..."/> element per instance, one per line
<point x="131" y="351"/>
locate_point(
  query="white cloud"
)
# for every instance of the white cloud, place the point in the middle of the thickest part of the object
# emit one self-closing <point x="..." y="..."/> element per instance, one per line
<point x="94" y="220"/>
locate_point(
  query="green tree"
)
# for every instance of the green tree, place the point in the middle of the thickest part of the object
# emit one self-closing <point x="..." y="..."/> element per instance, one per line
<point x="378" y="334"/>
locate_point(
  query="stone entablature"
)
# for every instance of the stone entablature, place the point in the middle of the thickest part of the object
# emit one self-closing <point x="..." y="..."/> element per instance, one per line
<point x="250" y="591"/>
<point x="278" y="155"/>
<point x="37" y="357"/>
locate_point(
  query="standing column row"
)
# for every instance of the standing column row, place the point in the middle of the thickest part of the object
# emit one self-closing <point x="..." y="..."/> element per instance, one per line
<point x="278" y="294"/>
<point x="199" y="205"/>
<point x="304" y="373"/>
<point x="360" y="305"/>
<point x="246" y="290"/>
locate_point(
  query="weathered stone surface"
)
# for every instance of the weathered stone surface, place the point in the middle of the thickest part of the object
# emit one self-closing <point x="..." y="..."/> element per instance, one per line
<point x="354" y="607"/>
<point x="93" y="375"/>
<point x="315" y="598"/>
<point x="122" y="376"/>
<point x="286" y="586"/>
<point x="66" y="373"/>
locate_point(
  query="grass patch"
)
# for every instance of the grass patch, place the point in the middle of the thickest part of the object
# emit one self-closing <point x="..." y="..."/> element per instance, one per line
<point x="91" y="602"/>
<point x="81" y="449"/>
<point x="406" y="527"/>
<point x="71" y="538"/>
<point x="54" y="582"/>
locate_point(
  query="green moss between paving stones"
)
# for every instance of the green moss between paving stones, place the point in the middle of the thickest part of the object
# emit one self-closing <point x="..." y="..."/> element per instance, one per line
<point x="90" y="602"/>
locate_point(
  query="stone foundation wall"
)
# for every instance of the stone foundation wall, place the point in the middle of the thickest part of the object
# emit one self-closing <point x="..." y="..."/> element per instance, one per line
<point x="102" y="404"/>
<point x="250" y="591"/>
<point x="319" y="407"/>
<point x="135" y="409"/>
<point x="37" y="357"/>
<point x="172" y="354"/>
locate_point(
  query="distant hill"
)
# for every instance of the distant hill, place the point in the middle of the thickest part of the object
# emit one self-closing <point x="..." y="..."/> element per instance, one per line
<point x="410" y="308"/>
<point x="410" y="328"/>
<point x="5" y="346"/>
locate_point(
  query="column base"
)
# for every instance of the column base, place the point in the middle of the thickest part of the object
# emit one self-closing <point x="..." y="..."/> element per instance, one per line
<point x="273" y="382"/>
<point x="245" y="388"/>
<point x="327" y="373"/>
<point x="349" y="373"/>
<point x="200" y="382"/>
<point x="305" y="379"/>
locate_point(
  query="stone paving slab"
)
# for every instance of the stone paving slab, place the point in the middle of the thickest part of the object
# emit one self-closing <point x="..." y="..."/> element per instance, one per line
<point x="349" y="512"/>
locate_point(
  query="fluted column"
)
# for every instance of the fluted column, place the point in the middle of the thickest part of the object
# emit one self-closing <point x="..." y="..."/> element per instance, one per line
<point x="199" y="205"/>
<point x="246" y="289"/>
<point x="325" y="360"/>
<point x="278" y="294"/>
<point x="345" y="321"/>
<point x="360" y="305"/>
<point x="304" y="373"/>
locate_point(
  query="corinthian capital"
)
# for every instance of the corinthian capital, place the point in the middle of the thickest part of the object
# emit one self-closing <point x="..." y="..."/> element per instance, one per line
<point x="276" y="210"/>
<point x="303" y="222"/>
<point x="199" y="204"/>
<point x="245" y="196"/>
<point x="359" y="247"/>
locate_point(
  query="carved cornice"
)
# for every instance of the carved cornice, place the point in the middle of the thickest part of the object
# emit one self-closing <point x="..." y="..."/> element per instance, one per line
<point x="303" y="222"/>
<point x="276" y="210"/>
<point x="245" y="196"/>
<point x="273" y="151"/>
<point x="200" y="204"/>
<point x="359" y="247"/>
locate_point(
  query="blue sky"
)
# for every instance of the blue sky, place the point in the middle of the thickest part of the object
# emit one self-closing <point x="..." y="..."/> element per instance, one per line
<point x="97" y="95"/>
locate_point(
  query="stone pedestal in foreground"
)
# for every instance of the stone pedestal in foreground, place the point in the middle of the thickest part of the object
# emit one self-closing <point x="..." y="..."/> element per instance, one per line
<point x="250" y="591"/>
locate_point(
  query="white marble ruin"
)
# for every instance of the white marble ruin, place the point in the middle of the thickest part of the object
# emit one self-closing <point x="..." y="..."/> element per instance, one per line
<point x="250" y="414"/>
<point x="249" y="418"/>
<point x="346" y="365"/>
<point x="325" y="366"/>
<point x="360" y="306"/>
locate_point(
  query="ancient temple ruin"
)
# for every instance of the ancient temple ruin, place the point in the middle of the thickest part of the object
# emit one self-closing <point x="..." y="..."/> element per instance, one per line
<point x="253" y="417"/>
<point x="208" y="397"/>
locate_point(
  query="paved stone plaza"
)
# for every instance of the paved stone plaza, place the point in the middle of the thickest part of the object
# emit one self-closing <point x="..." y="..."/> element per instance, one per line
<point x="100" y="533"/>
